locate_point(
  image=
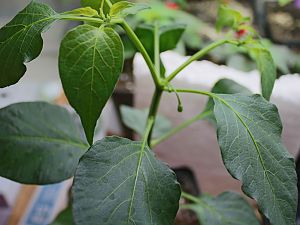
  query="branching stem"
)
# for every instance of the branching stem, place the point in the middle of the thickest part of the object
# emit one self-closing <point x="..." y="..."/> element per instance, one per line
<point x="199" y="55"/>
<point x="156" y="48"/>
<point x="136" y="41"/>
<point x="153" y="110"/>
<point x="190" y="197"/>
<point x="180" y="127"/>
<point x="79" y="18"/>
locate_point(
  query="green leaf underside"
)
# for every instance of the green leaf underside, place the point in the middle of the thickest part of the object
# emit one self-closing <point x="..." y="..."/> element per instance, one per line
<point x="136" y="120"/>
<point x="85" y="11"/>
<point x="224" y="86"/>
<point x="64" y="218"/>
<point x="249" y="135"/>
<point x="267" y="69"/>
<point x="124" y="8"/>
<point x="131" y="185"/>
<point x="226" y="209"/>
<point x="90" y="63"/>
<point x="21" y="41"/>
<point x="118" y="7"/>
<point x="39" y="143"/>
<point x="228" y="17"/>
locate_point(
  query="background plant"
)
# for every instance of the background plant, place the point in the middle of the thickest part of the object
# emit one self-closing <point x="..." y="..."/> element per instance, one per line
<point x="117" y="180"/>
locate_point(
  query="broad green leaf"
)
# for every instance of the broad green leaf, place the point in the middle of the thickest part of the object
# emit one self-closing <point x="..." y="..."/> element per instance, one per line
<point x="266" y="67"/>
<point x="160" y="12"/>
<point x="226" y="209"/>
<point x="21" y="41"/>
<point x="136" y="120"/>
<point x="228" y="17"/>
<point x="224" y="86"/>
<point x="85" y="11"/>
<point x="170" y="35"/>
<point x="124" y="8"/>
<point x="119" y="181"/>
<point x="39" y="143"/>
<point x="64" y="218"/>
<point x="118" y="7"/>
<point x="249" y="134"/>
<point x="90" y="63"/>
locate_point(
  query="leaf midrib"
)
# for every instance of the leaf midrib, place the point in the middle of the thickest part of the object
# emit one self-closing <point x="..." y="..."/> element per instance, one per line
<point x="26" y="27"/>
<point x="253" y="139"/>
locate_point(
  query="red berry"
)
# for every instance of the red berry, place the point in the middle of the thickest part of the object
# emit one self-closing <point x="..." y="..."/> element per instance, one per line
<point x="172" y="5"/>
<point x="240" y="33"/>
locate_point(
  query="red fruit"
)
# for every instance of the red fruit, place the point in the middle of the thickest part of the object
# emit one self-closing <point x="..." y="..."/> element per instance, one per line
<point x="240" y="33"/>
<point x="172" y="5"/>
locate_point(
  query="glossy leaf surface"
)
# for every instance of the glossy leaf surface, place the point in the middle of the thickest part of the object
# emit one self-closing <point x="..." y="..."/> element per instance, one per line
<point x="119" y="181"/>
<point x="249" y="134"/>
<point x="39" y="143"/>
<point x="136" y="120"/>
<point x="21" y="41"/>
<point x="226" y="209"/>
<point x="90" y="63"/>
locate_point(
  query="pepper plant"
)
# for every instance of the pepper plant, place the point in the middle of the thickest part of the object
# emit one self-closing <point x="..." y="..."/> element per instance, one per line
<point x="118" y="181"/>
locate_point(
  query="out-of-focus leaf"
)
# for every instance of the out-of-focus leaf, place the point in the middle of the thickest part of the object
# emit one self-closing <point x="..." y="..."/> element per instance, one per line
<point x="227" y="208"/>
<point x="136" y="119"/>
<point x="265" y="65"/>
<point x="228" y="17"/>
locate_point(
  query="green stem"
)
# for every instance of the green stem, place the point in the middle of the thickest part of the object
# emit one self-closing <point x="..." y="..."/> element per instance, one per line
<point x="199" y="92"/>
<point x="101" y="9"/>
<point x="143" y="51"/>
<point x="108" y="2"/>
<point x="80" y="18"/>
<point x="153" y="110"/>
<point x="149" y="125"/>
<point x="198" y="55"/>
<point x="190" y="197"/>
<point x="156" y="48"/>
<point x="179" y="128"/>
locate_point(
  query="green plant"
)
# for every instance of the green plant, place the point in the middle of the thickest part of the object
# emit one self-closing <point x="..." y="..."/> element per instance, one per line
<point x="119" y="181"/>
